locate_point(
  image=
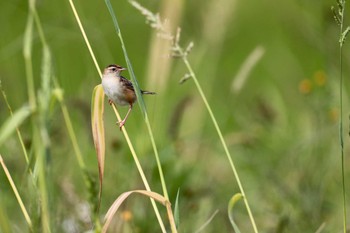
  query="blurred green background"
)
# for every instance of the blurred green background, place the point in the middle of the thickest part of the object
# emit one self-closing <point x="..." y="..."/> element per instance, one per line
<point x="281" y="123"/>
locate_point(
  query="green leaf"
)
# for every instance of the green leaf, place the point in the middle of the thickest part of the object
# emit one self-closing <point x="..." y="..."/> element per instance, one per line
<point x="14" y="122"/>
<point x="207" y="222"/>
<point x="98" y="131"/>
<point x="235" y="198"/>
<point x="176" y="210"/>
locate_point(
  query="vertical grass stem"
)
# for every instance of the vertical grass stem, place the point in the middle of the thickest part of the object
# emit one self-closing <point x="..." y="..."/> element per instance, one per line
<point x="188" y="65"/>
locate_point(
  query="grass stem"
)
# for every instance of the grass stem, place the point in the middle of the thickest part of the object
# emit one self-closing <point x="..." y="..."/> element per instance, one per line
<point x="18" y="197"/>
<point x="339" y="17"/>
<point x="201" y="93"/>
<point x="143" y="177"/>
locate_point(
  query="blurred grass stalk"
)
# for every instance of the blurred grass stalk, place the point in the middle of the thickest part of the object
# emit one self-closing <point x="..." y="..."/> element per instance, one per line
<point x="13" y="123"/>
<point x="41" y="104"/>
<point x="18" y="197"/>
<point x="155" y="22"/>
<point x="242" y="75"/>
<point x="142" y="107"/>
<point x="40" y="137"/>
<point x="339" y="18"/>
<point x="132" y="150"/>
<point x="158" y="69"/>
<point x="188" y="65"/>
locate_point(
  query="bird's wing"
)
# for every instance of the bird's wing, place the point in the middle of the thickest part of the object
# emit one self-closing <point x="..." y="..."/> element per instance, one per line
<point x="127" y="83"/>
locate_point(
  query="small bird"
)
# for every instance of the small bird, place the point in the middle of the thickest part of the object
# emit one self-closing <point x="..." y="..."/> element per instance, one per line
<point x="119" y="89"/>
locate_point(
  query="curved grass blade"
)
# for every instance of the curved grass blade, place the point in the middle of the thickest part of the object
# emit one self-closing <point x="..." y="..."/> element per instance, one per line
<point x="207" y="222"/>
<point x="231" y="204"/>
<point x="98" y="131"/>
<point x="19" y="135"/>
<point x="246" y="68"/>
<point x="117" y="203"/>
<point x="12" y="123"/>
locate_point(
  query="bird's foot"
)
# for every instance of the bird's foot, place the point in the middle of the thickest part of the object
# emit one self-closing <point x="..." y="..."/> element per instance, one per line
<point x="121" y="124"/>
<point x="110" y="102"/>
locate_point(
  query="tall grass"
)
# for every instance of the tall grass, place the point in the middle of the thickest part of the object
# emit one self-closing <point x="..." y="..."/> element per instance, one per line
<point x="182" y="53"/>
<point x="39" y="105"/>
<point x="279" y="136"/>
<point x="142" y="105"/>
<point x="339" y="15"/>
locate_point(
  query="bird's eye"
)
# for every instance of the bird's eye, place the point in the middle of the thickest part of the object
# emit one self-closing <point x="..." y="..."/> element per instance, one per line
<point x="114" y="69"/>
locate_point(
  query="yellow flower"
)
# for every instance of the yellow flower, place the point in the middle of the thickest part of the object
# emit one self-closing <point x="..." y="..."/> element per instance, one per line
<point x="126" y="215"/>
<point x="319" y="78"/>
<point x="305" y="86"/>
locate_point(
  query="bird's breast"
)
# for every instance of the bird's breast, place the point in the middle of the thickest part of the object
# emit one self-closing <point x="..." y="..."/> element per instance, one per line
<point x="115" y="91"/>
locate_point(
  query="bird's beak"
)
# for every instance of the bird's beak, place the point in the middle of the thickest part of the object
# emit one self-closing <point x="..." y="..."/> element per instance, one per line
<point x="123" y="68"/>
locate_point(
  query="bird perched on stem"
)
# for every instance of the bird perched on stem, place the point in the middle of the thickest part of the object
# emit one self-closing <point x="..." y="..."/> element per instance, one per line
<point x="119" y="90"/>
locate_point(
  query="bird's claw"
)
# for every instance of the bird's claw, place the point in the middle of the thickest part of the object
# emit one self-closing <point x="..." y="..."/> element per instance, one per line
<point x="121" y="124"/>
<point x="110" y="102"/>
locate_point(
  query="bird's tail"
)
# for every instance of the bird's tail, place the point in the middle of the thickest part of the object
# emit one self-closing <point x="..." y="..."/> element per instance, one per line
<point x="148" y="92"/>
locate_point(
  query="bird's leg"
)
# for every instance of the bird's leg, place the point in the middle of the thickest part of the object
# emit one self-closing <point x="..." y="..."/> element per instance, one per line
<point x="122" y="123"/>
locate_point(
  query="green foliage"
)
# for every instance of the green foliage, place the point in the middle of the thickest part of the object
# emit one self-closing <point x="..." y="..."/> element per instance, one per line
<point x="234" y="199"/>
<point x="13" y="122"/>
<point x="339" y="17"/>
<point x="280" y="127"/>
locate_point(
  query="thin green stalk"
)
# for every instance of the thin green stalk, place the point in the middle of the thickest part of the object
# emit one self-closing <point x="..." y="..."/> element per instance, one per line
<point x="143" y="177"/>
<point x="40" y="133"/>
<point x="341" y="138"/>
<point x="139" y="167"/>
<point x="141" y="103"/>
<point x="72" y="135"/>
<point x="27" y="51"/>
<point x="193" y="75"/>
<point x="339" y="17"/>
<point x="77" y="18"/>
<point x="45" y="213"/>
<point x="47" y="89"/>
<point x="19" y="135"/>
<point x="18" y="197"/>
<point x="178" y="52"/>
<point x="139" y="98"/>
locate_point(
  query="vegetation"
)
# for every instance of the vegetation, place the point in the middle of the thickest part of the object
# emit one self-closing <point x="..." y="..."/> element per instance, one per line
<point x="250" y="96"/>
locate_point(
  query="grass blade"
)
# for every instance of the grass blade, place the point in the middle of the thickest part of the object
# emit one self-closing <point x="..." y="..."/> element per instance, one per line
<point x="235" y="198"/>
<point x="176" y="210"/>
<point x="98" y="131"/>
<point x="19" y="135"/>
<point x="207" y="222"/>
<point x="242" y="75"/>
<point x="342" y="36"/>
<point x="114" y="207"/>
<point x="138" y="165"/>
<point x="143" y="108"/>
<point x="27" y="52"/>
<point x="18" y="197"/>
<point x="13" y="122"/>
<point x="139" y="97"/>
